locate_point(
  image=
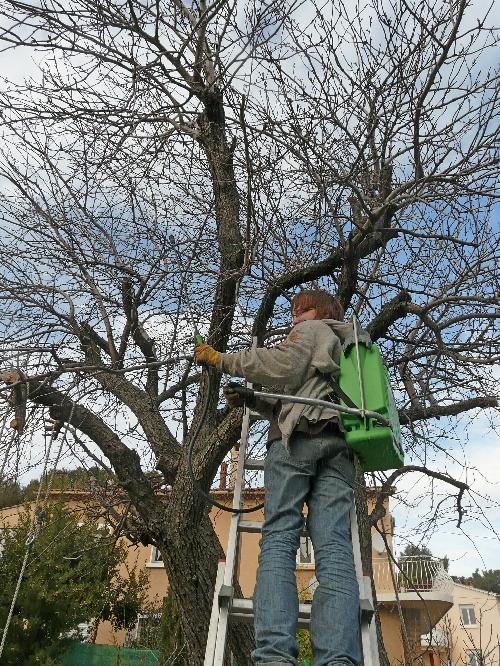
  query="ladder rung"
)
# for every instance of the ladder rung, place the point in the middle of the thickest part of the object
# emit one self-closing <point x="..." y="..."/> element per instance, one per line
<point x="254" y="463"/>
<point x="245" y="618"/>
<point x="250" y="526"/>
<point x="242" y="610"/>
<point x="255" y="527"/>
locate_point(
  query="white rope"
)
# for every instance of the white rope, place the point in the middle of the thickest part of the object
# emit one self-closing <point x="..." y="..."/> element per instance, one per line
<point x="358" y="363"/>
<point x="14" y="598"/>
<point x="6" y="457"/>
<point x="36" y="523"/>
<point x="9" y="445"/>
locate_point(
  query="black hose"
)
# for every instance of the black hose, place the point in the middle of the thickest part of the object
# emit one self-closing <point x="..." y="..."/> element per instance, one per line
<point x="200" y="490"/>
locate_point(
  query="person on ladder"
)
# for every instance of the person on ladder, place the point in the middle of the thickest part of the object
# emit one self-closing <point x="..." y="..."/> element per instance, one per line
<point x="308" y="462"/>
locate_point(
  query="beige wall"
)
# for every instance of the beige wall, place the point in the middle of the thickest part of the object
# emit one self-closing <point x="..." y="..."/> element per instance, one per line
<point x="391" y="634"/>
<point x="456" y="638"/>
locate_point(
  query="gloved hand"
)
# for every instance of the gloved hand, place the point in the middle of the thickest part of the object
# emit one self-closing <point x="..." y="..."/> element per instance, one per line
<point x="232" y="398"/>
<point x="206" y="354"/>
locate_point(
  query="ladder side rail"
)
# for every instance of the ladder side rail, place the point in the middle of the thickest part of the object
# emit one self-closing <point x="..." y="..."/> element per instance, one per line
<point x="214" y="617"/>
<point x="220" y="641"/>
<point x="373" y="642"/>
<point x="368" y="629"/>
<point x="356" y="549"/>
<point x="232" y="544"/>
<point x="366" y="645"/>
<point x="227" y="584"/>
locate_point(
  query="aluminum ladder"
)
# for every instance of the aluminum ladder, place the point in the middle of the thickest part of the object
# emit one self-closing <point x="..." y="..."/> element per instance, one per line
<point x="226" y="607"/>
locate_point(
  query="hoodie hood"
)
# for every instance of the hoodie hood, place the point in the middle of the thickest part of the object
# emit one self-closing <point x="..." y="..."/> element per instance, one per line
<point x="345" y="332"/>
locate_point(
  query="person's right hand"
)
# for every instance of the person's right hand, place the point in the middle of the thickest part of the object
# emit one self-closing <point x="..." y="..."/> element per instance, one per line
<point x="233" y="399"/>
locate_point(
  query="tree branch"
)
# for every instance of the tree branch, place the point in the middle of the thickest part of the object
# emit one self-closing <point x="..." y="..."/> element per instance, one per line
<point x="125" y="461"/>
<point x="390" y="313"/>
<point x="436" y="411"/>
<point x="387" y="489"/>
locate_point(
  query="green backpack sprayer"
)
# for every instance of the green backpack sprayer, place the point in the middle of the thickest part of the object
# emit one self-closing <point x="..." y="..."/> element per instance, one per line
<point x="364" y="378"/>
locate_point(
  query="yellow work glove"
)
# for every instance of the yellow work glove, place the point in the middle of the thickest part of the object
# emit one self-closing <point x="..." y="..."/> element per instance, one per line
<point x="232" y="398"/>
<point x="206" y="354"/>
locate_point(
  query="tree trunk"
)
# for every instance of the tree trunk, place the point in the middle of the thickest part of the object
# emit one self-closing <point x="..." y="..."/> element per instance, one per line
<point x="191" y="560"/>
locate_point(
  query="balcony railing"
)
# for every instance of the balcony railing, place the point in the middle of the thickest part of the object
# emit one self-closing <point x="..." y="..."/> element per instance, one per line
<point x="418" y="573"/>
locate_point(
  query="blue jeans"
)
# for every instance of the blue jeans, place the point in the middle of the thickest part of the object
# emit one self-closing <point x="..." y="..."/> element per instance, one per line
<point x="319" y="471"/>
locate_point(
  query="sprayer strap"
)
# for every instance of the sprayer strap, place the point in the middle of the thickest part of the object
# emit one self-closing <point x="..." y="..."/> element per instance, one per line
<point x="338" y="392"/>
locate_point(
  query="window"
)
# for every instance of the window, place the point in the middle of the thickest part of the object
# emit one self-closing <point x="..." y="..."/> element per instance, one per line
<point x="155" y="559"/>
<point x="305" y="553"/>
<point x="468" y="616"/>
<point x="473" y="658"/>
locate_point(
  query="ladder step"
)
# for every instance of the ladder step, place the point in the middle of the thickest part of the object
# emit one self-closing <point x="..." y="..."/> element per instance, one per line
<point x="242" y="611"/>
<point x="366" y="601"/>
<point x="250" y="526"/>
<point x="255" y="463"/>
<point x="255" y="527"/>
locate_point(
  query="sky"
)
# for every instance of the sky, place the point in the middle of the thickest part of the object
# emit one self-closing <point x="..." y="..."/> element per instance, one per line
<point x="475" y="544"/>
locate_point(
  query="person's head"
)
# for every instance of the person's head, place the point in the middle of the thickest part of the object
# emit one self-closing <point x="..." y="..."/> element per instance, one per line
<point x="315" y="304"/>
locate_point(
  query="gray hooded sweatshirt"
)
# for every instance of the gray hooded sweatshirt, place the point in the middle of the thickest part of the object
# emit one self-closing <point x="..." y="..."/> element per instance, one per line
<point x="300" y="365"/>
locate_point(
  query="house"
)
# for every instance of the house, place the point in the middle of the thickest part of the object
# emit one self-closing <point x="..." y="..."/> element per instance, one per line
<point x="469" y="633"/>
<point x="413" y="595"/>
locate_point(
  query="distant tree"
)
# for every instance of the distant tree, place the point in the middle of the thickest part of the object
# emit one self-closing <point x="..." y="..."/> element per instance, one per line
<point x="411" y="550"/>
<point x="81" y="478"/>
<point x="488" y="579"/>
<point x="10" y="493"/>
<point x="72" y="576"/>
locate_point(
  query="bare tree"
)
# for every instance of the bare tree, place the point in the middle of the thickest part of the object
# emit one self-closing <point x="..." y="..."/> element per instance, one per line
<point x="236" y="152"/>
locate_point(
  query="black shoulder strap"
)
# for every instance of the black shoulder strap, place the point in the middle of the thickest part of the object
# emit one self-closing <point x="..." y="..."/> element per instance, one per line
<point x="339" y="393"/>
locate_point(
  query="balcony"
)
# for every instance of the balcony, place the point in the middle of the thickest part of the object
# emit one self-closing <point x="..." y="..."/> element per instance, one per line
<point x="422" y="585"/>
